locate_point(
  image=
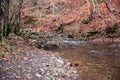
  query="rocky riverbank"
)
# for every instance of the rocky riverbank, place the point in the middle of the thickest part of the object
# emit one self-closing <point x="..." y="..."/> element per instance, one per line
<point x="27" y="63"/>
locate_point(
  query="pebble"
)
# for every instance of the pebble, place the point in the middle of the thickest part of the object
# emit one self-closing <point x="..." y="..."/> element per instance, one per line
<point x="37" y="75"/>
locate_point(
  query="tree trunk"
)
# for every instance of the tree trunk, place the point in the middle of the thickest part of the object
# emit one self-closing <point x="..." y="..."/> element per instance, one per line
<point x="4" y="26"/>
<point x="9" y="16"/>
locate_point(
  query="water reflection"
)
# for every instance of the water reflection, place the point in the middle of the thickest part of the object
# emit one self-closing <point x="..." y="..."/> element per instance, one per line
<point x="96" y="61"/>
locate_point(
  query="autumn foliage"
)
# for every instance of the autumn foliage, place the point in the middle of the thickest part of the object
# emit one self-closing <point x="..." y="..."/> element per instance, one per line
<point x="72" y="14"/>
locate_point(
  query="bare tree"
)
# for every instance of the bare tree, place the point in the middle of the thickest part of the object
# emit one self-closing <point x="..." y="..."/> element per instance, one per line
<point x="110" y="9"/>
<point x="96" y="5"/>
<point x="89" y="11"/>
<point x="4" y="6"/>
<point x="15" y="13"/>
<point x="10" y="11"/>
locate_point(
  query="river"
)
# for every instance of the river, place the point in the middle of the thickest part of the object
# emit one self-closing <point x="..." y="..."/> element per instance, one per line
<point x="93" y="60"/>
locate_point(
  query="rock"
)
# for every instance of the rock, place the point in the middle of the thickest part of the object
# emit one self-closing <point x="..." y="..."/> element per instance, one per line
<point x="18" y="77"/>
<point x="93" y="52"/>
<point x="113" y="45"/>
<point x="50" y="47"/>
<point x="37" y="75"/>
<point x="34" y="33"/>
<point x="70" y="36"/>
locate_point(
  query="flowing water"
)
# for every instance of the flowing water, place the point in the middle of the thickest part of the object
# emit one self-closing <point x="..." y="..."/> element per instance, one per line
<point x="94" y="60"/>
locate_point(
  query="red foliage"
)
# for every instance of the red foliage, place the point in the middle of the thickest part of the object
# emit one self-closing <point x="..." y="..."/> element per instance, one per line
<point x="77" y="13"/>
<point x="41" y="27"/>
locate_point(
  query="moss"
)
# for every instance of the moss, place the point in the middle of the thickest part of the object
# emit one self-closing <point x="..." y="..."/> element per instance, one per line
<point x="109" y="30"/>
<point x="3" y="47"/>
<point x="114" y="27"/>
<point x="25" y="33"/>
<point x="59" y="28"/>
<point x="90" y="33"/>
<point x="39" y="30"/>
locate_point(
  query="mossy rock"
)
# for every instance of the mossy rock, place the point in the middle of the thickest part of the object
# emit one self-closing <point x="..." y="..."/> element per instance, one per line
<point x="90" y="33"/>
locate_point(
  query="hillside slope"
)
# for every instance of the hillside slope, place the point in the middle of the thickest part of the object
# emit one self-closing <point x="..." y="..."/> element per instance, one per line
<point x="72" y="14"/>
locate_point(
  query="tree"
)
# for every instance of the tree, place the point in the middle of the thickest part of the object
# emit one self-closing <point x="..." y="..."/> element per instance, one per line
<point x="96" y="9"/>
<point x="110" y="9"/>
<point x="4" y="9"/>
<point x="9" y="15"/>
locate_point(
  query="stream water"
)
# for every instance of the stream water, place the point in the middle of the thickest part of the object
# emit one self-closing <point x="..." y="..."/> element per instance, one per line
<point x="94" y="60"/>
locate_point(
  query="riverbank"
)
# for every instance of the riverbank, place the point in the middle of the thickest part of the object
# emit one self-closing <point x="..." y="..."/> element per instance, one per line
<point x="28" y="63"/>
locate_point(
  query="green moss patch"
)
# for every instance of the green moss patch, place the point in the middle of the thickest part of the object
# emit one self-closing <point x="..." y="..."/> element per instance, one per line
<point x="90" y="33"/>
<point x="112" y="29"/>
